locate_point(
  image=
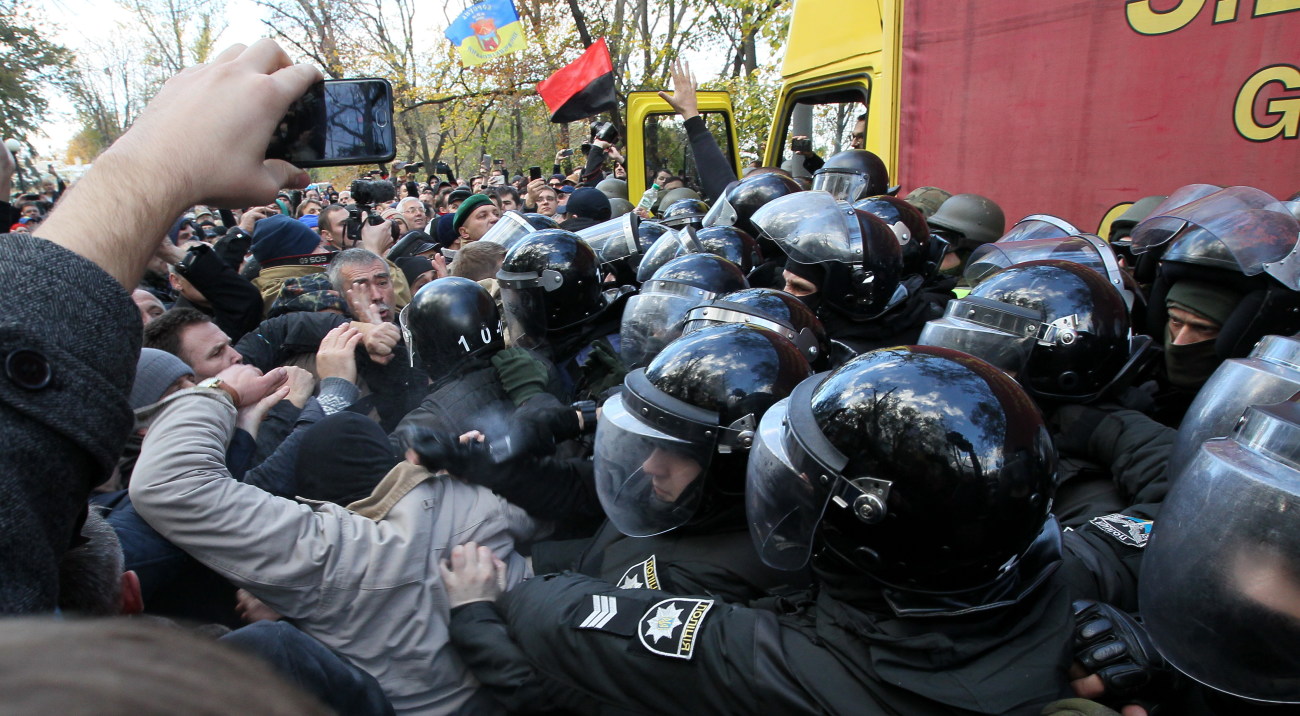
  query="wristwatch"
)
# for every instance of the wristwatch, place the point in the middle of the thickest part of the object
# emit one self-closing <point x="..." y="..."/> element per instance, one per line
<point x="222" y="385"/>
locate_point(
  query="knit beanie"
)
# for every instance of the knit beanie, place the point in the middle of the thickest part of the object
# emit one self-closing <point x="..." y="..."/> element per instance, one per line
<point x="278" y="236"/>
<point x="1204" y="299"/>
<point x="154" y="373"/>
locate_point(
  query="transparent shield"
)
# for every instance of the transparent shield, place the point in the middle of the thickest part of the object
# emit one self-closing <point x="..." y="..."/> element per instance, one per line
<point x="1005" y="350"/>
<point x="1270" y="374"/>
<point x="670" y="245"/>
<point x="648" y="481"/>
<point x="812" y="227"/>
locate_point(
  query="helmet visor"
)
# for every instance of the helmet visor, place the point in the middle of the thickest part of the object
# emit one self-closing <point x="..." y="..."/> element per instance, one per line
<point x="509" y="230"/>
<point x="812" y="227"/>
<point x="1223" y="563"/>
<point x="1039" y="226"/>
<point x="670" y="245"/>
<point x="524" y="312"/>
<point x="991" y="258"/>
<point x="1251" y="241"/>
<point x="614" y="239"/>
<point x="649" y="480"/>
<point x="994" y="332"/>
<point x="653" y="318"/>
<point x="787" y="489"/>
<point x="844" y="186"/>
<point x="722" y="213"/>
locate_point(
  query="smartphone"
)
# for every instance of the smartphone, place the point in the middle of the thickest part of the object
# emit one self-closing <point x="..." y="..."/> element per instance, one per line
<point x="338" y="123"/>
<point x="566" y="152"/>
<point x="534" y="173"/>
<point x="801" y="144"/>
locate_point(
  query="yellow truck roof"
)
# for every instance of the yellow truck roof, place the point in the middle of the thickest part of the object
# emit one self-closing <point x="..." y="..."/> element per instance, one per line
<point x="831" y="32"/>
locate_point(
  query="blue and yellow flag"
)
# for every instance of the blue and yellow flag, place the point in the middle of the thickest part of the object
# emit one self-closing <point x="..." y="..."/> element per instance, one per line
<point x="486" y="30"/>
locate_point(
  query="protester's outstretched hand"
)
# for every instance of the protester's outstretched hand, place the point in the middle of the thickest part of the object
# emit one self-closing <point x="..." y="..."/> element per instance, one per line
<point x="249" y="219"/>
<point x="337" y="357"/>
<point x="473" y="575"/>
<point x="250" y="384"/>
<point x="683" y="95"/>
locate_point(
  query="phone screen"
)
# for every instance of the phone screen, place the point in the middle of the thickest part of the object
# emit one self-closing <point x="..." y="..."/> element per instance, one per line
<point x="338" y="123"/>
<point x="534" y="172"/>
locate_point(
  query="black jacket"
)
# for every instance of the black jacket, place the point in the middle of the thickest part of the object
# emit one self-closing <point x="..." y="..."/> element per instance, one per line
<point x="473" y="400"/>
<point x="840" y="649"/>
<point x="899" y="327"/>
<point x="396" y="388"/>
<point x="713" y="166"/>
<point x="234" y="304"/>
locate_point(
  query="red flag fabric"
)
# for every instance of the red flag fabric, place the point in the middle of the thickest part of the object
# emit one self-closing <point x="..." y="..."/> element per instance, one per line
<point x="582" y="88"/>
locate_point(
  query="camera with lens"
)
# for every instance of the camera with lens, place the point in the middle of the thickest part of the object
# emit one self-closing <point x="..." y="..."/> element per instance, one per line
<point x="366" y="193"/>
<point x="605" y="132"/>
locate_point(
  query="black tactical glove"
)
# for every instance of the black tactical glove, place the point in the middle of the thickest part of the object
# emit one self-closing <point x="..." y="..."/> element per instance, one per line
<point x="444" y="451"/>
<point x="521" y="374"/>
<point x="1073" y="428"/>
<point x="1115" y="646"/>
<point x="536" y="431"/>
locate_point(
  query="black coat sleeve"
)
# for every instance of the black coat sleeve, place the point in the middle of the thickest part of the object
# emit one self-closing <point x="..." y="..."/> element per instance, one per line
<point x="594" y="171"/>
<point x="236" y="302"/>
<point x="277" y="340"/>
<point x="482" y="639"/>
<point x="1136" y="449"/>
<point x="710" y="162"/>
<point x="736" y="663"/>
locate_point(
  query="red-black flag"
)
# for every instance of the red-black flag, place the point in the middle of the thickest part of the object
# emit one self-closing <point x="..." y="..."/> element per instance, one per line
<point x="582" y="88"/>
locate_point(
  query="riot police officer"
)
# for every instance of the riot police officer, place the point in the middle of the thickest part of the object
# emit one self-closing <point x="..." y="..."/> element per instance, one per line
<point x="918" y="480"/>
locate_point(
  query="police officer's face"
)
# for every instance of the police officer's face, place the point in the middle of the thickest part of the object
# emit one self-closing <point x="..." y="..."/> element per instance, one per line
<point x="1186" y="327"/>
<point x="670" y="473"/>
<point x="798" y="285"/>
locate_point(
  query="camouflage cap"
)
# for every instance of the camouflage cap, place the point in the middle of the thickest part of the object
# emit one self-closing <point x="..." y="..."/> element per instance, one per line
<point x="310" y="293"/>
<point x="927" y="199"/>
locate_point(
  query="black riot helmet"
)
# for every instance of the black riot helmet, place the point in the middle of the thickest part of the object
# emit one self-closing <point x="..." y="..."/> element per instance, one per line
<point x="684" y="212"/>
<point x="1241" y="239"/>
<point x="448" y="321"/>
<point x="926" y="468"/>
<point x="908" y="223"/>
<point x="859" y="254"/>
<point x="852" y="175"/>
<point x="771" y="309"/>
<point x="741" y="199"/>
<point x="670" y="244"/>
<point x="653" y="318"/>
<point x="548" y="284"/>
<point x="1061" y="328"/>
<point x="672" y="446"/>
<point x="731" y="244"/>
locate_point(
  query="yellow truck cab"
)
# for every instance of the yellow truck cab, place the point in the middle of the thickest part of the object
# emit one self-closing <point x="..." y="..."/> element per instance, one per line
<point x="659" y="136"/>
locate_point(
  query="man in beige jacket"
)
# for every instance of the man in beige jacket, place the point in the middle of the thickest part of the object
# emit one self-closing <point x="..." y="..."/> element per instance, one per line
<point x="362" y="580"/>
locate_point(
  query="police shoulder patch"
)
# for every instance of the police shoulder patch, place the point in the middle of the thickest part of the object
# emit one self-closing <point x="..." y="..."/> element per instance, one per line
<point x="642" y="575"/>
<point x="677" y="621"/>
<point x="610" y="614"/>
<point x="1131" y="531"/>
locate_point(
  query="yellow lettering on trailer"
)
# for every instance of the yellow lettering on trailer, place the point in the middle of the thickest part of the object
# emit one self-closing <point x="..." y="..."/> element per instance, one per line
<point x="1286" y="109"/>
